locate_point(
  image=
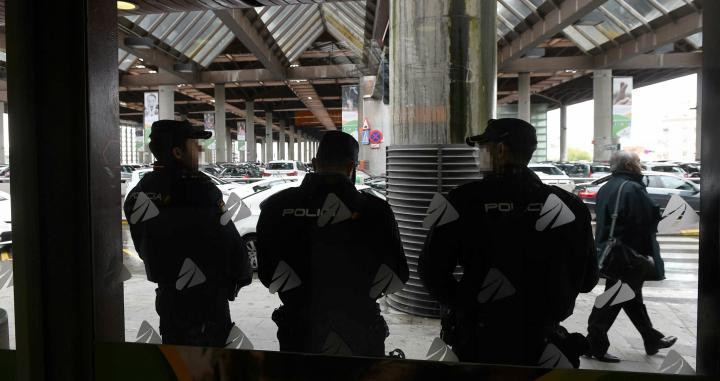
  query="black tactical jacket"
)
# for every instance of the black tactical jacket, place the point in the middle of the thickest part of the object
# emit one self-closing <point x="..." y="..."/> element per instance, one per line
<point x="526" y="250"/>
<point x="329" y="250"/>
<point x="175" y="223"/>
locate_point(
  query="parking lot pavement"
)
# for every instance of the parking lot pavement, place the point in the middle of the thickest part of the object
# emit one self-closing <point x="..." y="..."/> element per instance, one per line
<point x="672" y="306"/>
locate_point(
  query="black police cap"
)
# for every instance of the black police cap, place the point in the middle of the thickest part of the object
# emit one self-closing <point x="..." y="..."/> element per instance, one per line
<point x="511" y="131"/>
<point x="177" y="130"/>
<point x="336" y="147"/>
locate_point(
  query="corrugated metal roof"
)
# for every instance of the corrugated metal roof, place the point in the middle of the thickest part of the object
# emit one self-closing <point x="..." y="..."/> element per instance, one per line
<point x="294" y="28"/>
<point x="612" y="20"/>
<point x="198" y="35"/>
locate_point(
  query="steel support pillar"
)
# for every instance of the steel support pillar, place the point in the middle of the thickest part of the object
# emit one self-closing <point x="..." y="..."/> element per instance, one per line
<point x="524" y="97"/>
<point x="443" y="69"/>
<point x="221" y="151"/>
<point x="602" y="98"/>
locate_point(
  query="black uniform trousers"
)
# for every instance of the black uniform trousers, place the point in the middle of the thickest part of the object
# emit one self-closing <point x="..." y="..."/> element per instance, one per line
<point x="197" y="317"/>
<point x="601" y="319"/>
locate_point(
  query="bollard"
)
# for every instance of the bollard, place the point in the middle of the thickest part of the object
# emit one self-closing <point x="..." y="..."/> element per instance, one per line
<point x="4" y="330"/>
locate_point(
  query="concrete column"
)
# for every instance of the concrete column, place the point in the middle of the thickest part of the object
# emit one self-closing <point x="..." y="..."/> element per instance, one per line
<point x="281" y="141"/>
<point x="602" y="98"/>
<point x="443" y="69"/>
<point x="166" y="103"/>
<point x="524" y="97"/>
<point x="307" y="149"/>
<point x="221" y="138"/>
<point x="263" y="149"/>
<point x="268" y="137"/>
<point x="2" y="135"/>
<point x="698" y="117"/>
<point x="301" y="148"/>
<point x="250" y="131"/>
<point x="563" y="132"/>
<point x="291" y="143"/>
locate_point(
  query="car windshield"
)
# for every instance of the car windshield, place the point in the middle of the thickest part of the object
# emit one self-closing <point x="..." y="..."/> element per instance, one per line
<point x="547" y="170"/>
<point x="280" y="166"/>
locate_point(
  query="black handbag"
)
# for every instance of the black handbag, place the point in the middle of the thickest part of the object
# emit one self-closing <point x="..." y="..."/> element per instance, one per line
<point x="619" y="261"/>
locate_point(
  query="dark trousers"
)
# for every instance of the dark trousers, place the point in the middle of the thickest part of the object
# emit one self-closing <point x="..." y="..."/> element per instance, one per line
<point x="299" y="332"/>
<point x="601" y="319"/>
<point x="193" y="318"/>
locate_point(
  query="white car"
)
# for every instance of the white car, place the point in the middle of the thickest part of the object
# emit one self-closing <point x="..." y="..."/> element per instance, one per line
<point x="5" y="213"/>
<point x="552" y="175"/>
<point x="247" y="227"/>
<point x="244" y="190"/>
<point x="224" y="186"/>
<point x="285" y="168"/>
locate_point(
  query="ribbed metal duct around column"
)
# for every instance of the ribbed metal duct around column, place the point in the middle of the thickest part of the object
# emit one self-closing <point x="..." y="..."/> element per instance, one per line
<point x="414" y="174"/>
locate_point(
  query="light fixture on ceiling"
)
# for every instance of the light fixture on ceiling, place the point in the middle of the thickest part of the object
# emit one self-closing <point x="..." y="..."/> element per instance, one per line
<point x="535" y="53"/>
<point x="139" y="66"/>
<point x="310" y="98"/>
<point x="184" y="67"/>
<point x="295" y="65"/>
<point x="152" y="71"/>
<point x="138" y="42"/>
<point x="127" y="5"/>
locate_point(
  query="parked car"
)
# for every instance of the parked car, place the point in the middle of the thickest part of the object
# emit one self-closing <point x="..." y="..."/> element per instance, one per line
<point x="134" y="180"/>
<point x="666" y="167"/>
<point x="247" y="227"/>
<point x="660" y="186"/>
<point x="552" y="175"/>
<point x="244" y="190"/>
<point x="599" y="170"/>
<point x="225" y="187"/>
<point x="126" y="172"/>
<point x="285" y="168"/>
<point x="240" y="173"/>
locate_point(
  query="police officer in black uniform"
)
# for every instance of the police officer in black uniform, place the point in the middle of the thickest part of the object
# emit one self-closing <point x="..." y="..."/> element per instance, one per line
<point x="526" y="249"/>
<point x="331" y="252"/>
<point x="175" y="217"/>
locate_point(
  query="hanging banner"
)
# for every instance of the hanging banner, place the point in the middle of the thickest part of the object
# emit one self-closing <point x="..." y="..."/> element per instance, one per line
<point x="241" y="131"/>
<point x="240" y="138"/>
<point x="350" y="110"/>
<point x="209" y="125"/>
<point x="150" y="116"/>
<point x="622" y="107"/>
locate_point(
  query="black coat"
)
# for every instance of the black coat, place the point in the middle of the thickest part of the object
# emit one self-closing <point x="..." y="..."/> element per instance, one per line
<point x="526" y="250"/>
<point x="174" y="216"/>
<point x="638" y="216"/>
<point x="334" y="249"/>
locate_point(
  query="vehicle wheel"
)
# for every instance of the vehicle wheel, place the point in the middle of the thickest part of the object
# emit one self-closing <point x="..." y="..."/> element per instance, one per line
<point x="251" y="246"/>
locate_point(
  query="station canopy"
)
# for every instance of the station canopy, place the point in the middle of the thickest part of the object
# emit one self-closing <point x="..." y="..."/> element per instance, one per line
<point x="292" y="56"/>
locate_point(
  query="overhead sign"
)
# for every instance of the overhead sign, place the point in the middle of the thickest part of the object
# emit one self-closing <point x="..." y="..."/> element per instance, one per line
<point x="376" y="137"/>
